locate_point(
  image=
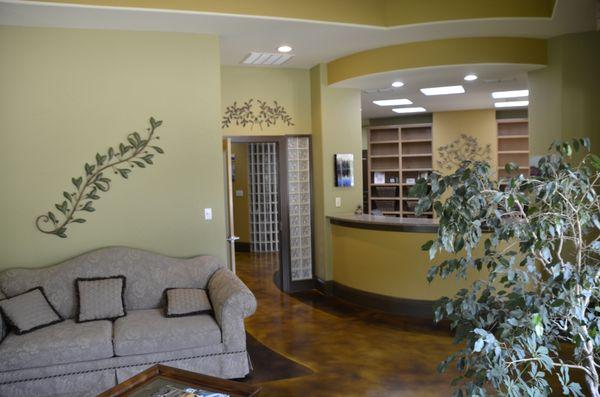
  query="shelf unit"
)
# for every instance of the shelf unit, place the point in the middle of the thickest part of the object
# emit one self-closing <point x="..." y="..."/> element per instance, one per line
<point x="513" y="145"/>
<point x="399" y="152"/>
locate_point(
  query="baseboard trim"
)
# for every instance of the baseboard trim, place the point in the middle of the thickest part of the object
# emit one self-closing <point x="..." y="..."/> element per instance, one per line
<point x="242" y="247"/>
<point x="406" y="307"/>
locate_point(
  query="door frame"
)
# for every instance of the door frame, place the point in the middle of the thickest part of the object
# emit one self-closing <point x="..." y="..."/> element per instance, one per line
<point x="283" y="277"/>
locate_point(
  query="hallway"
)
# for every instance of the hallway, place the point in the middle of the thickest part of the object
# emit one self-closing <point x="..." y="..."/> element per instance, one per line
<point x="353" y="351"/>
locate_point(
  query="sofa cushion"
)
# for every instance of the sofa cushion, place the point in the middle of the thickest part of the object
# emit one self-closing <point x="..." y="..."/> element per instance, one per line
<point x="2" y="322"/>
<point x="149" y="331"/>
<point x="186" y="302"/>
<point x="29" y="311"/>
<point x="100" y="298"/>
<point x="66" y="342"/>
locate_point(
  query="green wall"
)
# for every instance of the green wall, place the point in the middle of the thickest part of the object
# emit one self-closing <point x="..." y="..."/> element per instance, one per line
<point x="289" y="87"/>
<point x="565" y="96"/>
<point x="67" y="94"/>
<point x="337" y="128"/>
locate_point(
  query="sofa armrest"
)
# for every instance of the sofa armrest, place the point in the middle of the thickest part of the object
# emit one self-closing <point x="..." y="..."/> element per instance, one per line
<point x="232" y="301"/>
<point x="3" y="327"/>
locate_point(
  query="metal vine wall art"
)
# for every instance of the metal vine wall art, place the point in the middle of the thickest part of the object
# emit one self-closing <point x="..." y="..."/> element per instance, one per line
<point x="265" y="116"/>
<point x="120" y="160"/>
<point x="465" y="148"/>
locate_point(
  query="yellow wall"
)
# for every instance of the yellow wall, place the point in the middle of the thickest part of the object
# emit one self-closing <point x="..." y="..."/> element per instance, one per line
<point x="67" y="94"/>
<point x="241" y="207"/>
<point x="336" y="129"/>
<point x="363" y="12"/>
<point x="289" y="87"/>
<point x="388" y="263"/>
<point x="565" y="96"/>
<point x="481" y="124"/>
<point x="456" y="51"/>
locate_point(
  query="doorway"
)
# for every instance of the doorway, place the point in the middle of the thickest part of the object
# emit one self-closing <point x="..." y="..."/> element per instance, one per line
<point x="270" y="204"/>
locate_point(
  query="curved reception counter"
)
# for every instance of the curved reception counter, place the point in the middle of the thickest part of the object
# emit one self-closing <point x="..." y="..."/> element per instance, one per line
<point x="378" y="262"/>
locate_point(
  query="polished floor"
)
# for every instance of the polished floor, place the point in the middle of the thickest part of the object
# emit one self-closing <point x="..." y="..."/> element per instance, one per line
<point x="352" y="351"/>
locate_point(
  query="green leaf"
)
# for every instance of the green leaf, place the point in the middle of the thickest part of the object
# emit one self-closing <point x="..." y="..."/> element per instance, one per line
<point x="77" y="182"/>
<point x="88" y="207"/>
<point x="124" y="172"/>
<point x="89" y="169"/>
<point x="52" y="217"/>
<point x="68" y="196"/>
<point x="79" y="220"/>
<point x="111" y="153"/>
<point x="140" y="164"/>
<point x="158" y="149"/>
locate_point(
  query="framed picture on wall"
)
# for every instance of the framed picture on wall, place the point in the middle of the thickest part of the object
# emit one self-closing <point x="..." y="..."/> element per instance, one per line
<point x="344" y="169"/>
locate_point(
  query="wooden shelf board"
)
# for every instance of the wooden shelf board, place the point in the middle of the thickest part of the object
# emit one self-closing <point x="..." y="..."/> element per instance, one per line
<point x="511" y="121"/>
<point x="390" y="212"/>
<point x="408" y="184"/>
<point x="384" y="156"/>
<point x="385" y="170"/>
<point x="513" y="152"/>
<point x="385" y="198"/>
<point x="418" y="155"/>
<point x="416" y="169"/>
<point x="382" y="142"/>
<point x="415" y="140"/>
<point x="513" y="136"/>
<point x="410" y="199"/>
<point x="412" y="213"/>
<point x="385" y="184"/>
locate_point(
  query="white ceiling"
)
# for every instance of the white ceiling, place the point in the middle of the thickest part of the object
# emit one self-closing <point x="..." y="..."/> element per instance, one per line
<point x="497" y="77"/>
<point x="313" y="42"/>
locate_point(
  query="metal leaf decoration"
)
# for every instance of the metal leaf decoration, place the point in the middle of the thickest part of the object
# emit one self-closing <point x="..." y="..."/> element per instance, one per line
<point x="119" y="160"/>
<point x="465" y="148"/>
<point x="266" y="115"/>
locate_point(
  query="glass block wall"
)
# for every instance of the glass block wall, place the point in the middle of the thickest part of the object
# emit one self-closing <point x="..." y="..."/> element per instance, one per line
<point x="299" y="206"/>
<point x="262" y="182"/>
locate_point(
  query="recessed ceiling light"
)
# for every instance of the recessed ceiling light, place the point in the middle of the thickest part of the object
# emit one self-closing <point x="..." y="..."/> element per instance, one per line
<point x="510" y="94"/>
<point x="393" y="102"/>
<point x="452" y="89"/>
<point x="284" y="48"/>
<point x="511" y="104"/>
<point x="410" y="110"/>
<point x="397" y="84"/>
<point x="471" y="77"/>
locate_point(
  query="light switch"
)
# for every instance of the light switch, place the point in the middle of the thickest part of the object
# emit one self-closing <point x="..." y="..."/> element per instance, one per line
<point x="208" y="214"/>
<point x="338" y="202"/>
<point x="239" y="193"/>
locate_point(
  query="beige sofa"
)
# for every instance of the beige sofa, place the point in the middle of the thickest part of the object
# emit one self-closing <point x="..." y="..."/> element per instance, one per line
<point x="83" y="359"/>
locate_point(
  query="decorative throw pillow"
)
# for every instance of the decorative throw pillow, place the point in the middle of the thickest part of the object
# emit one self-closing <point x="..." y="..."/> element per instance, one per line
<point x="186" y="302"/>
<point x="100" y="298"/>
<point x="29" y="311"/>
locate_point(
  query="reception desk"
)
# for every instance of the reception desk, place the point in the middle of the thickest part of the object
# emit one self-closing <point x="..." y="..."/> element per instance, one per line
<point x="378" y="262"/>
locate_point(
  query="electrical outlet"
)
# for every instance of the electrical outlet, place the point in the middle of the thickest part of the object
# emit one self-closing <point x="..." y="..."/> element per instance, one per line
<point x="338" y="202"/>
<point x="208" y="214"/>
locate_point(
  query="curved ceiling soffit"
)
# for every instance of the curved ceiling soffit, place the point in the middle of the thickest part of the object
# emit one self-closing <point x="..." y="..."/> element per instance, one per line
<point x="373" y="13"/>
<point x="458" y="51"/>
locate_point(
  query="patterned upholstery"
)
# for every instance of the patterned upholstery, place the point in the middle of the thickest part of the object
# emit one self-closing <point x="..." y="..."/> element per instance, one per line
<point x="2" y="322"/>
<point x="100" y="298"/>
<point x="147" y="273"/>
<point x="149" y="331"/>
<point x="66" y="342"/>
<point x="78" y="359"/>
<point x="29" y="311"/>
<point x="187" y="301"/>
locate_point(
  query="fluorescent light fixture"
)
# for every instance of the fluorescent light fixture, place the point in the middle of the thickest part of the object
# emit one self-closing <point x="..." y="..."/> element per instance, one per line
<point x="393" y="102"/>
<point x="284" y="48"/>
<point x="410" y="110"/>
<point x="471" y="77"/>
<point x="511" y="104"/>
<point x="452" y="89"/>
<point x="510" y="94"/>
<point x="266" y="58"/>
<point x="397" y="84"/>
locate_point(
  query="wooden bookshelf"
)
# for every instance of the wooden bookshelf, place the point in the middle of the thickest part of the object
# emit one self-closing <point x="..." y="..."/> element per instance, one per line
<point x="398" y="153"/>
<point x="513" y="145"/>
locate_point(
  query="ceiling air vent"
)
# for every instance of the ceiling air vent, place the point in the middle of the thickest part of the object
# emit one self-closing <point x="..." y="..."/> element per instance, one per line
<point x="266" y="58"/>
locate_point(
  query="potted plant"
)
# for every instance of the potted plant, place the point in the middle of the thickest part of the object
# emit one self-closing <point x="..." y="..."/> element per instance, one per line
<point x="534" y="312"/>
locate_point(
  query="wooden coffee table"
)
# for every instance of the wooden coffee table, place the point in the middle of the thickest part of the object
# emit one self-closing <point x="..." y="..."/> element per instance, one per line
<point x="159" y="376"/>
